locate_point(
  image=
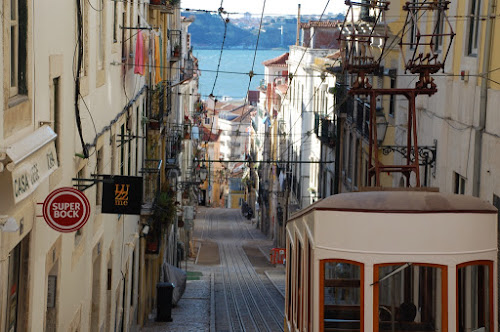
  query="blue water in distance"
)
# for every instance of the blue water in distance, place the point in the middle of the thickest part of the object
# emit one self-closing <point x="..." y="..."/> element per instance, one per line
<point x="236" y="61"/>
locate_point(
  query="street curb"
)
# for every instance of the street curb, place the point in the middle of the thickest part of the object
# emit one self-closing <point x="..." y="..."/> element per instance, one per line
<point x="212" y="303"/>
<point x="267" y="255"/>
<point x="198" y="253"/>
<point x="274" y="284"/>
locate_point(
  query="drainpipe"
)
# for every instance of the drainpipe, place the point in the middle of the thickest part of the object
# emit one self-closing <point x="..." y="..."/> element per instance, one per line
<point x="298" y="28"/>
<point x="483" y="103"/>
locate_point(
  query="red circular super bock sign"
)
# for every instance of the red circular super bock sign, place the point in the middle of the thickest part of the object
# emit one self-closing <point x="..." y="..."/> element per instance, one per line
<point x="66" y="209"/>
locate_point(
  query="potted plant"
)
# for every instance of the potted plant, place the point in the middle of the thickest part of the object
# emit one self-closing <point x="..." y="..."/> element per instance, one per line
<point x="177" y="50"/>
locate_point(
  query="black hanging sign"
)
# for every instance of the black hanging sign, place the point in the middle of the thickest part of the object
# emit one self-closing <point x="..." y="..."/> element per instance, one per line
<point x="122" y="194"/>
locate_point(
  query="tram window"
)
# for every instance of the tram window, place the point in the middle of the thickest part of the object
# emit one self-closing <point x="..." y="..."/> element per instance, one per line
<point x="289" y="281"/>
<point x="342" y="296"/>
<point x="410" y="297"/>
<point x="475" y="297"/>
<point x="299" y="287"/>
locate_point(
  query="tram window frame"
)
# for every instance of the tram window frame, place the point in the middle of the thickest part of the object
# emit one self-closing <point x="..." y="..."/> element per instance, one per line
<point x="310" y="286"/>
<point x="410" y="291"/>
<point x="489" y="265"/>
<point x="361" y="282"/>
<point x="289" y="263"/>
<point x="299" y="287"/>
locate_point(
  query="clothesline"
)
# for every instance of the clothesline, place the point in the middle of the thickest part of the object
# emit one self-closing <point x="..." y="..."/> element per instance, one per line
<point x="149" y="49"/>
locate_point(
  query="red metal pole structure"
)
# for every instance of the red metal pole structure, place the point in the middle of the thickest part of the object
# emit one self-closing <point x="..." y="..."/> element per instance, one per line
<point x="360" y="59"/>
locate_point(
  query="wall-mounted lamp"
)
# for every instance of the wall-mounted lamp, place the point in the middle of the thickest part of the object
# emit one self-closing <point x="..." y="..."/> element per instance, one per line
<point x="203" y="173"/>
<point x="8" y="224"/>
<point x="145" y="230"/>
<point x="381" y="124"/>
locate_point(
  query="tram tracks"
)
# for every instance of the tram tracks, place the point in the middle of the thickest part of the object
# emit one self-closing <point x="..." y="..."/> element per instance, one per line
<point x="245" y="300"/>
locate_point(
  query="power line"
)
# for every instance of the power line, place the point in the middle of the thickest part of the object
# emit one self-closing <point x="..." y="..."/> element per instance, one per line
<point x="250" y="74"/>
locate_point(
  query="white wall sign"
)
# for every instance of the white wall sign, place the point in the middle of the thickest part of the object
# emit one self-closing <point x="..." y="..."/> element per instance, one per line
<point x="32" y="171"/>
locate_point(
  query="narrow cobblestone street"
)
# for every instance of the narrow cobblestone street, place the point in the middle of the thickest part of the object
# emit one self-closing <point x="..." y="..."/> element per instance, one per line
<point x="231" y="284"/>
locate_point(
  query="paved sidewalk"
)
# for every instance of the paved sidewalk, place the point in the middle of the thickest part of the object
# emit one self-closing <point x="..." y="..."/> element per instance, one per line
<point x="193" y="312"/>
<point x="277" y="277"/>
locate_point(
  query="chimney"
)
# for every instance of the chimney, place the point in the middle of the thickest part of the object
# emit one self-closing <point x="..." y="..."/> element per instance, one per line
<point x="298" y="28"/>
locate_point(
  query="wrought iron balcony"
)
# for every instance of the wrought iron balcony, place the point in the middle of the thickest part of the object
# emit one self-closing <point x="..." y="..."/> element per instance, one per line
<point x="326" y="130"/>
<point x="173" y="146"/>
<point x="174" y="36"/>
<point x="160" y="104"/>
<point x="151" y="175"/>
<point x="163" y="5"/>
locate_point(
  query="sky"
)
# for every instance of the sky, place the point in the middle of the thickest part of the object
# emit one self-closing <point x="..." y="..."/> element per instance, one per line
<point x="273" y="7"/>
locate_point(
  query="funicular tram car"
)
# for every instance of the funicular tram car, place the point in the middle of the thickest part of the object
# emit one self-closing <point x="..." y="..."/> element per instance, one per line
<point x="392" y="261"/>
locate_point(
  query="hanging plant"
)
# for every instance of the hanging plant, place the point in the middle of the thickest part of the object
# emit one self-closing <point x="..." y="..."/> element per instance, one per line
<point x="165" y="210"/>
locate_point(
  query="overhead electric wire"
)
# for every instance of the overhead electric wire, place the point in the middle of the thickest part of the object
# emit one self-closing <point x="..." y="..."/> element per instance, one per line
<point x="226" y="22"/>
<point x="296" y="70"/>
<point x="250" y="74"/>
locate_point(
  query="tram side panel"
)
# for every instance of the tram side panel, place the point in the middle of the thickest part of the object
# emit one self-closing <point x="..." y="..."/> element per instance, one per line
<point x="444" y="249"/>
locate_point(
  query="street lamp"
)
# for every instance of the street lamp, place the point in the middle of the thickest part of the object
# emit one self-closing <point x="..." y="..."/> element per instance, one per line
<point x="203" y="173"/>
<point x="381" y="124"/>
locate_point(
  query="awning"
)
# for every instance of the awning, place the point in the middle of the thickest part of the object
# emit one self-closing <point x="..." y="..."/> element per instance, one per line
<point x="21" y="150"/>
<point x="31" y="161"/>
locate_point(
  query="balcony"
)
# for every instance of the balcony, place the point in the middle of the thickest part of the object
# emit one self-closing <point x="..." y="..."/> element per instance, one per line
<point x="160" y="97"/>
<point x="166" y="6"/>
<point x="326" y="130"/>
<point x="151" y="175"/>
<point x="173" y="146"/>
<point x="174" y="36"/>
<point x="188" y="71"/>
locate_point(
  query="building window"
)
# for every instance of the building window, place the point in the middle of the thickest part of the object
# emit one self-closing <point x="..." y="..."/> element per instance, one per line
<point x="18" y="24"/>
<point x="473" y="27"/>
<point x="392" y="98"/>
<point x="459" y="184"/>
<point x="414" y="26"/>
<point x="340" y="284"/>
<point x="207" y="120"/>
<point x="84" y="32"/>
<point x="438" y="40"/>
<point x="475" y="296"/>
<point x="16" y="305"/>
<point x="411" y="297"/>
<point x="115" y="21"/>
<point x="98" y="195"/>
<point x="56" y="111"/>
<point x="101" y="36"/>
<point x="124" y="44"/>
<point x="13" y="290"/>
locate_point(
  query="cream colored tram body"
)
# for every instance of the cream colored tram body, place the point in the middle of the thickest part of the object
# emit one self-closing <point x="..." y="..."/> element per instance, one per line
<point x="392" y="261"/>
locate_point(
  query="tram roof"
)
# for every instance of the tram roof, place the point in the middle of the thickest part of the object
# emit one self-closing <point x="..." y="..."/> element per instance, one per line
<point x="400" y="202"/>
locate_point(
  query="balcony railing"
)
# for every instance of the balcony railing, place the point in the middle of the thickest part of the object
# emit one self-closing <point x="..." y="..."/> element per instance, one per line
<point x="174" y="36"/>
<point x="326" y="130"/>
<point x="173" y="145"/>
<point x="159" y="103"/>
<point x="163" y="5"/>
<point x="188" y="71"/>
<point x="151" y="176"/>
